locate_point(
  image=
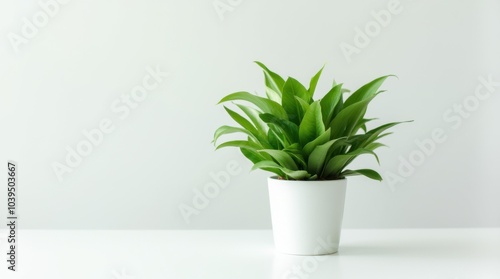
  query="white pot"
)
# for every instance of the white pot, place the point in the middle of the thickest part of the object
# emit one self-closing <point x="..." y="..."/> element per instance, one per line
<point x="307" y="215"/>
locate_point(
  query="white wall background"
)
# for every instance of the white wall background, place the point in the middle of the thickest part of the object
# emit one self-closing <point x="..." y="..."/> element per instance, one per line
<point x="64" y="79"/>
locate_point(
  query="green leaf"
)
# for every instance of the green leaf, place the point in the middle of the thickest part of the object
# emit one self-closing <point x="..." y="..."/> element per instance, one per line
<point x="294" y="88"/>
<point x="273" y="95"/>
<point x="253" y="155"/>
<point x="266" y="164"/>
<point x="366" y="91"/>
<point x="273" y="80"/>
<point x="329" y="102"/>
<point x="366" y="172"/>
<point x="290" y="129"/>
<point x="284" y="159"/>
<point x="270" y="166"/>
<point x="296" y="154"/>
<point x="314" y="82"/>
<point x="374" y="145"/>
<point x="336" y="164"/>
<point x="297" y="174"/>
<point x="239" y="143"/>
<point x="253" y="115"/>
<point x="362" y="124"/>
<point x="275" y="137"/>
<point x="323" y="138"/>
<point x="224" y="130"/>
<point x="264" y="104"/>
<point x="317" y="157"/>
<point x="312" y="125"/>
<point x="304" y="105"/>
<point x="242" y="121"/>
<point x="373" y="135"/>
<point x="343" y="124"/>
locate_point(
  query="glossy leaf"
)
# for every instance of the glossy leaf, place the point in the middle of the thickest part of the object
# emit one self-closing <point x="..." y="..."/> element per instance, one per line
<point x="283" y="158"/>
<point x="312" y="125"/>
<point x="323" y="138"/>
<point x="366" y="91"/>
<point x="264" y="104"/>
<point x="224" y="130"/>
<point x="329" y="102"/>
<point x="337" y="163"/>
<point x="314" y="82"/>
<point x="366" y="172"/>
<point x="290" y="129"/>
<point x="273" y="80"/>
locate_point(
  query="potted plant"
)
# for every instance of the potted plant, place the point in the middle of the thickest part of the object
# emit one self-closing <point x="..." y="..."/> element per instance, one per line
<point x="308" y="145"/>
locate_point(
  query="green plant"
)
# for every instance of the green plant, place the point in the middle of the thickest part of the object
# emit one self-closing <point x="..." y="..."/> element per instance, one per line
<point x="298" y="138"/>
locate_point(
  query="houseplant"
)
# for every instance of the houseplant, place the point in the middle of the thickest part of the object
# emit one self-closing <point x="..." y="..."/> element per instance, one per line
<point x="308" y="145"/>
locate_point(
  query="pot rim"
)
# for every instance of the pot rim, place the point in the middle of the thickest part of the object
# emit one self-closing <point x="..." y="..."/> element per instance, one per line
<point x="275" y="177"/>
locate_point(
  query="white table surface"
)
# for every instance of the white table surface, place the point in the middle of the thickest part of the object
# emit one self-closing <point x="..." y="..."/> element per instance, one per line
<point x="385" y="254"/>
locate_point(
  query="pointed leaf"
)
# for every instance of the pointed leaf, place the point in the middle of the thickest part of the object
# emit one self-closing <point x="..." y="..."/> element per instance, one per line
<point x="242" y="121"/>
<point x="270" y="166"/>
<point x="264" y="104"/>
<point x="366" y="91"/>
<point x="343" y="124"/>
<point x="275" y="137"/>
<point x="253" y="155"/>
<point x="338" y="163"/>
<point x="224" y="130"/>
<point x="294" y="88"/>
<point x="366" y="172"/>
<point x="290" y="129"/>
<point x="239" y="143"/>
<point x="273" y="80"/>
<point x="323" y="138"/>
<point x="312" y="125"/>
<point x="314" y="82"/>
<point x="329" y="102"/>
<point x="317" y="157"/>
<point x="297" y="174"/>
<point x="283" y="158"/>
<point x="273" y="95"/>
<point x="253" y="114"/>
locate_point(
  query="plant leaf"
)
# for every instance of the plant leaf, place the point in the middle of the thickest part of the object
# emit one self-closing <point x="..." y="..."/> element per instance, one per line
<point x="297" y="174"/>
<point x="273" y="80"/>
<point x="317" y="157"/>
<point x="323" y="138"/>
<point x="270" y="166"/>
<point x="366" y="172"/>
<point x="294" y="88"/>
<point x="264" y="104"/>
<point x="224" y="130"/>
<point x="314" y="82"/>
<point x="273" y="95"/>
<point x="312" y="125"/>
<point x="253" y="115"/>
<point x="290" y="129"/>
<point x="284" y="159"/>
<point x="336" y="164"/>
<point x="239" y="143"/>
<point x="304" y="105"/>
<point x="343" y="124"/>
<point x="366" y="91"/>
<point x="374" y="145"/>
<point x="329" y="102"/>
<point x="253" y="155"/>
<point x="373" y="135"/>
<point x="242" y="121"/>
